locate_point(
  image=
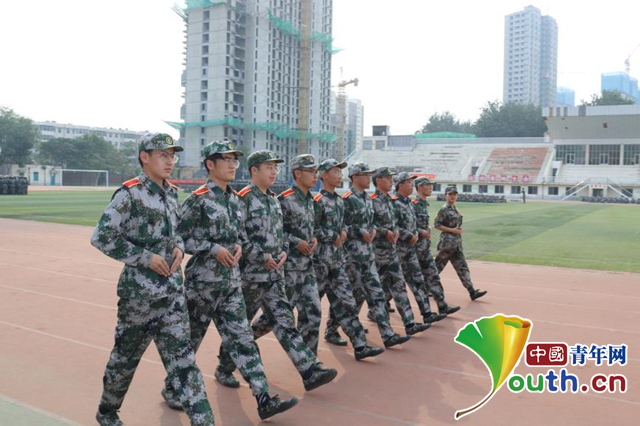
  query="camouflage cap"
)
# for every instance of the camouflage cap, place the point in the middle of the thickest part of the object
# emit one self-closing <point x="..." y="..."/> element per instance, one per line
<point x="329" y="164"/>
<point x="382" y="172"/>
<point x="359" y="168"/>
<point x="262" y="156"/>
<point x="303" y="161"/>
<point x="401" y="177"/>
<point x="220" y="147"/>
<point x="450" y="190"/>
<point x="151" y="141"/>
<point x="423" y="180"/>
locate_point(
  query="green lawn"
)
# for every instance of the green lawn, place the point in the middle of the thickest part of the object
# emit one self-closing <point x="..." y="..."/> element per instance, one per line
<point x="588" y="236"/>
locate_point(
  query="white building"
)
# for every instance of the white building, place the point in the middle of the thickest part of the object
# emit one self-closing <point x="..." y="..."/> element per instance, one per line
<point x="118" y="137"/>
<point x="354" y="123"/>
<point x="257" y="73"/>
<point x="530" y="58"/>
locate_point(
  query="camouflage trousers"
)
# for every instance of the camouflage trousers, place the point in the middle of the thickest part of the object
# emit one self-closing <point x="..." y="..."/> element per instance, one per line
<point x="456" y="257"/>
<point x="302" y="291"/>
<point x="223" y="303"/>
<point x="333" y="281"/>
<point x="431" y="275"/>
<point x="271" y="298"/>
<point x="413" y="276"/>
<point x="392" y="276"/>
<point x="166" y="322"/>
<point x="366" y="286"/>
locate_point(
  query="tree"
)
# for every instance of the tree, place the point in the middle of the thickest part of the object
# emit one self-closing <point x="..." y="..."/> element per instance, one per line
<point x="446" y="122"/>
<point x="18" y="135"/>
<point x="608" y="97"/>
<point x="510" y="120"/>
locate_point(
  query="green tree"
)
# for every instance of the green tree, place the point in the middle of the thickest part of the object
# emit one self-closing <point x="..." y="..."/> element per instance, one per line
<point x="18" y="135"/>
<point x="446" y="122"/>
<point x="608" y="97"/>
<point x="510" y="120"/>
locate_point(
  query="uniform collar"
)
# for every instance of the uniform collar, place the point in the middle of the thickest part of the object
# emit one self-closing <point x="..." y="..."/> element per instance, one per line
<point x="362" y="194"/>
<point x="216" y="189"/>
<point x="382" y="194"/>
<point x="257" y="191"/>
<point x="301" y="195"/>
<point x="328" y="194"/>
<point x="152" y="185"/>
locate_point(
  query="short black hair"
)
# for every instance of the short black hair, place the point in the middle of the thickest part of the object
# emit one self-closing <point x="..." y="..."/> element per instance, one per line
<point x="257" y="166"/>
<point x="148" y="151"/>
<point x="212" y="157"/>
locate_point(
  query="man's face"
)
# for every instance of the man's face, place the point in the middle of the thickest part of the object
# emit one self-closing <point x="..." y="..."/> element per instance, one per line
<point x="384" y="183"/>
<point x="425" y="190"/>
<point x="452" y="197"/>
<point x="159" y="162"/>
<point x="362" y="180"/>
<point x="224" y="168"/>
<point x="266" y="173"/>
<point x="405" y="188"/>
<point x="307" y="178"/>
<point x="332" y="177"/>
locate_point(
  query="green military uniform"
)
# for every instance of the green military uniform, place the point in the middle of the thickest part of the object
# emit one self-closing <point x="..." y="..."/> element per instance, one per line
<point x="450" y="245"/>
<point x="264" y="288"/>
<point x="300" y="279"/>
<point x="361" y="267"/>
<point x="141" y="221"/>
<point x="423" y="249"/>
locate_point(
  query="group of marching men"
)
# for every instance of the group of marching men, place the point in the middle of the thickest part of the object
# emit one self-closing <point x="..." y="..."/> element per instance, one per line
<point x="254" y="250"/>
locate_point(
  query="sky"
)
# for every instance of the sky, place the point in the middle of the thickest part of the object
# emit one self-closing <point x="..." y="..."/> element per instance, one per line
<point x="118" y="63"/>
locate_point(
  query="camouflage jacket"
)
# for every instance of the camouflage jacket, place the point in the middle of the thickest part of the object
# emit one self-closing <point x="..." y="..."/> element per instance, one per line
<point x="358" y="219"/>
<point x="329" y="224"/>
<point x="211" y="218"/>
<point x="141" y="221"/>
<point x="384" y="220"/>
<point x="450" y="217"/>
<point x="264" y="234"/>
<point x="421" y="208"/>
<point x="406" y="220"/>
<point x="298" y="217"/>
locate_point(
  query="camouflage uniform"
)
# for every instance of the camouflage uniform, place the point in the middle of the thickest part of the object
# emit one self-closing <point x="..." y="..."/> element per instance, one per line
<point x="408" y="227"/>
<point x="300" y="278"/>
<point x="141" y="221"/>
<point x="387" y="260"/>
<point x="265" y="288"/>
<point x="450" y="245"/>
<point x="423" y="248"/>
<point x="361" y="267"/>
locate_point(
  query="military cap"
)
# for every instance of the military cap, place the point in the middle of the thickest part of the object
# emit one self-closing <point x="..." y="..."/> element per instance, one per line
<point x="329" y="164"/>
<point x="423" y="180"/>
<point x="359" y="168"/>
<point x="303" y="161"/>
<point x="382" y="172"/>
<point x="450" y="190"/>
<point x="151" y="141"/>
<point x="220" y="147"/>
<point x="261" y="157"/>
<point x="401" y="177"/>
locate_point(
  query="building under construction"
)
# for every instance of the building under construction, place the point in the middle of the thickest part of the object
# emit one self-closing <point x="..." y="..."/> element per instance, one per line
<point x="258" y="73"/>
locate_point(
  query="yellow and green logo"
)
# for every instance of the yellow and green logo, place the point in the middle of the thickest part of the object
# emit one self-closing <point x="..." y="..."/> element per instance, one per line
<point x="498" y="341"/>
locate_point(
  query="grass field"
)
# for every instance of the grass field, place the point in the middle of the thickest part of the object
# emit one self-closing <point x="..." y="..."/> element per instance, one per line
<point x="585" y="236"/>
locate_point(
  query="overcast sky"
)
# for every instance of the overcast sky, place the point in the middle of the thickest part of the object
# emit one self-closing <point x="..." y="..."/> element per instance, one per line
<point x="118" y="63"/>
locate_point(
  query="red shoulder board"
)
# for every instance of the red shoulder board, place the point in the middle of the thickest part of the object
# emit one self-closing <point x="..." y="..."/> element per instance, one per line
<point x="395" y="197"/>
<point x="202" y="190"/>
<point x="415" y="201"/>
<point x="132" y="182"/>
<point x="287" y="192"/>
<point x="172" y="185"/>
<point x="234" y="191"/>
<point x="317" y="197"/>
<point x="347" y="195"/>
<point x="244" y="191"/>
<point x="373" y="196"/>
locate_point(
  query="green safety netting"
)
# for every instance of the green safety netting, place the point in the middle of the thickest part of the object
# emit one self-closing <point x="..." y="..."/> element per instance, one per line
<point x="451" y="135"/>
<point x="279" y="130"/>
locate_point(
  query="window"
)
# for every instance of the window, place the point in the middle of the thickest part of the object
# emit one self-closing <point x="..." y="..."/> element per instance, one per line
<point x="36" y="176"/>
<point x="466" y="188"/>
<point x="205" y="62"/>
<point x="483" y="189"/>
<point x="437" y="187"/>
<point x="515" y="189"/>
<point x="553" y="190"/>
<point x="631" y="155"/>
<point x="366" y="145"/>
<point x="532" y="190"/>
<point x="499" y="189"/>
<point x="604" y="154"/>
<point x="571" y="154"/>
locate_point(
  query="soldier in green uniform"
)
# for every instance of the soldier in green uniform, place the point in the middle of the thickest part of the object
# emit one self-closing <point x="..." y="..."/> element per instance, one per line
<point x="138" y="228"/>
<point x="329" y="263"/>
<point x="449" y="223"/>
<point x="299" y="276"/>
<point x="406" y="245"/>
<point x="264" y="255"/>
<point x="387" y="261"/>
<point x="361" y="267"/>
<point x="213" y="232"/>
<point x="424" y="188"/>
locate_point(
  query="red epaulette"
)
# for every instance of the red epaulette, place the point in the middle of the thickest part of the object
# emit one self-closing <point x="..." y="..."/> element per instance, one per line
<point x="347" y="195"/>
<point x="172" y="185"/>
<point x="373" y="196"/>
<point x="395" y="197"/>
<point x="415" y="201"/>
<point x="132" y="182"/>
<point x="245" y="191"/>
<point x="234" y="191"/>
<point x="202" y="190"/>
<point x="287" y="192"/>
<point x="317" y="197"/>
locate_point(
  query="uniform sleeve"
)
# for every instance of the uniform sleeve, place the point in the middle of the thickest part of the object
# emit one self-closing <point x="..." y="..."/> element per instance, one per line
<point x="439" y="219"/>
<point x="322" y="232"/>
<point x="109" y="235"/>
<point x="405" y="233"/>
<point x="190" y="229"/>
<point x="290" y="240"/>
<point x="422" y="226"/>
<point x="251" y="249"/>
<point x="381" y="231"/>
<point x="354" y="231"/>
